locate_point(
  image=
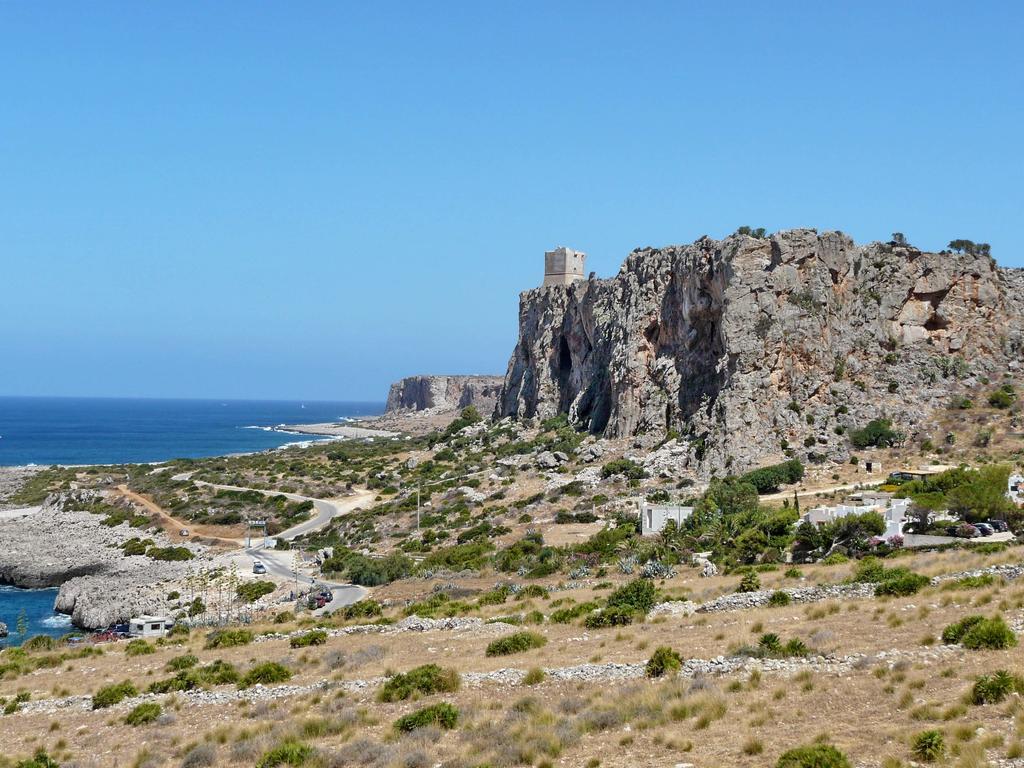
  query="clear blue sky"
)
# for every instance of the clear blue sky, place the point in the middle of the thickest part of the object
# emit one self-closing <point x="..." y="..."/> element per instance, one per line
<point x="309" y="200"/>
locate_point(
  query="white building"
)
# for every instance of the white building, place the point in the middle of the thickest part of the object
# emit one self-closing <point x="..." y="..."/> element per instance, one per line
<point x="150" y="626"/>
<point x="654" y="516"/>
<point x="893" y="511"/>
<point x="1015" y="489"/>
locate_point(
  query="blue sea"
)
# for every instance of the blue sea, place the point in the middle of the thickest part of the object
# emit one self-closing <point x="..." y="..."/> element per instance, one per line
<point x="38" y="607"/>
<point x="52" y="430"/>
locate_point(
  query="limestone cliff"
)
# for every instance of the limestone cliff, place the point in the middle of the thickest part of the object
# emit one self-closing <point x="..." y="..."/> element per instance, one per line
<point x="744" y="343"/>
<point x="444" y="393"/>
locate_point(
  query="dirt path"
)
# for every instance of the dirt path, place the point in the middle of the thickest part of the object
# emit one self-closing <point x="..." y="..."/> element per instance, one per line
<point x="173" y="526"/>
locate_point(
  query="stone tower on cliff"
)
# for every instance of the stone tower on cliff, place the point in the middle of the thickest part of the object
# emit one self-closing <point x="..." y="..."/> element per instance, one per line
<point x="563" y="266"/>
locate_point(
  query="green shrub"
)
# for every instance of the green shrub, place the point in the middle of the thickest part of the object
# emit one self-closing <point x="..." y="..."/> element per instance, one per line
<point x="836" y="558"/>
<point x="902" y="584"/>
<point x="110" y="695"/>
<point x="138" y="647"/>
<point x="169" y="553"/>
<point x="143" y="713"/>
<point x="878" y="432"/>
<point x="991" y="634"/>
<point x="180" y="663"/>
<point x="1001" y="399"/>
<point x="316" y="637"/>
<point x="780" y="599"/>
<point x="977" y="632"/>
<point x="992" y="689"/>
<point x="517" y="642"/>
<point x="627" y="467"/>
<point x="39" y="760"/>
<point x="663" y="660"/>
<point x="442" y="715"/>
<point x="39" y="643"/>
<point x="216" y="673"/>
<point x="427" y="679"/>
<point x="228" y="638"/>
<point x="638" y="596"/>
<point x="264" y="674"/>
<point x="609" y="617"/>
<point x="291" y="753"/>
<point x="362" y="609"/>
<point x="813" y="756"/>
<point x="251" y="591"/>
<point x="749" y="583"/>
<point x="534" y="676"/>
<point x="567" y="615"/>
<point x="929" y="746"/>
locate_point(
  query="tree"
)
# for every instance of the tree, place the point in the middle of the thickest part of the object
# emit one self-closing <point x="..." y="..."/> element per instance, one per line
<point x="22" y="624"/>
<point x="984" y="496"/>
<point x="852" y="533"/>
<point x="878" y="433"/>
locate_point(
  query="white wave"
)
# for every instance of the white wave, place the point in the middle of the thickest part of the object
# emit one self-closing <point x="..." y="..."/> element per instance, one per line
<point x="55" y="622"/>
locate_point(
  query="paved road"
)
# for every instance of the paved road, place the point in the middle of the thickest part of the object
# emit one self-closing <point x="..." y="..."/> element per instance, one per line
<point x="279" y="563"/>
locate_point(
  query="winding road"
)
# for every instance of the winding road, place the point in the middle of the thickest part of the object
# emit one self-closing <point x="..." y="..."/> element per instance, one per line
<point x="280" y="564"/>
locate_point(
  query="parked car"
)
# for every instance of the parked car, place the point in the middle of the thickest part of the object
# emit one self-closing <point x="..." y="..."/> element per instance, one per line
<point x="183" y="532"/>
<point x="985" y="529"/>
<point x="259" y="567"/>
<point x="968" y="531"/>
<point x="999" y="525"/>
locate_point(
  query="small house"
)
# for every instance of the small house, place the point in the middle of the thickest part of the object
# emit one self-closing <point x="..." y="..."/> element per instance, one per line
<point x="654" y="516"/>
<point x="150" y="626"/>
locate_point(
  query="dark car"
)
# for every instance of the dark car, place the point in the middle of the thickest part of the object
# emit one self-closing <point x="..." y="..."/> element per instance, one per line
<point x="985" y="529"/>
<point x="999" y="525"/>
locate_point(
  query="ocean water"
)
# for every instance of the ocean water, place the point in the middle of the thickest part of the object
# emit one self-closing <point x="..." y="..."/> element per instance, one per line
<point x="52" y="430"/>
<point x="38" y="607"/>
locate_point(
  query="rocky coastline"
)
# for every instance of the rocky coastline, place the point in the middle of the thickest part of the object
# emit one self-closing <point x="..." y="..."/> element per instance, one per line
<point x="65" y="546"/>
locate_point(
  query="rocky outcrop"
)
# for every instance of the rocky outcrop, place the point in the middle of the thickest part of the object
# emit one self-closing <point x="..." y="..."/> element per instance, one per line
<point x="64" y="546"/>
<point x="744" y="345"/>
<point x="446" y="393"/>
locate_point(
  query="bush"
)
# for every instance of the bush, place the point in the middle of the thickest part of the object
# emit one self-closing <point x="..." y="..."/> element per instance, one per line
<point x="39" y="643"/>
<point x="779" y="599"/>
<point x="992" y="689"/>
<point x="442" y="715"/>
<point x="39" y="760"/>
<point x="169" y="553"/>
<point x="534" y="676"/>
<point x="251" y="591"/>
<point x="878" y="433"/>
<point x="749" y="583"/>
<point x="902" y="584"/>
<point x="228" y="638"/>
<point x="638" y="596"/>
<point x="627" y="467"/>
<point x="1001" y="399"/>
<point x="427" y="679"/>
<point x="181" y="663"/>
<point x="609" y="617"/>
<point x="977" y="632"/>
<point x="290" y="752"/>
<point x="316" y="637"/>
<point x="144" y="713"/>
<point x="814" y="756"/>
<point x="991" y="634"/>
<point x="265" y="674"/>
<point x="362" y="609"/>
<point x="955" y="632"/>
<point x="518" y="642"/>
<point x="110" y="695"/>
<point x="929" y="746"/>
<point x="138" y="647"/>
<point x="567" y="615"/>
<point x="663" y="660"/>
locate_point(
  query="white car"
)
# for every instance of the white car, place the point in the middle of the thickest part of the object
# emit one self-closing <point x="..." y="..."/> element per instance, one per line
<point x="259" y="567"/>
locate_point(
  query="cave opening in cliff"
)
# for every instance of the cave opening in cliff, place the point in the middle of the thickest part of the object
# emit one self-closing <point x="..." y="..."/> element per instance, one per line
<point x="936" y="323"/>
